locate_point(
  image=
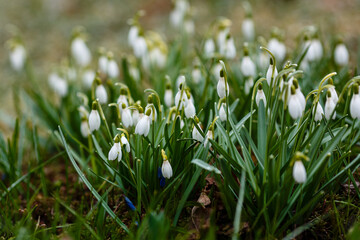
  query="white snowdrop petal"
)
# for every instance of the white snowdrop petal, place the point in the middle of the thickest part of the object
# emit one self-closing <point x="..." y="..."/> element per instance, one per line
<point x="299" y="172"/>
<point x="166" y="169"/>
<point x="101" y="94"/>
<point x="94" y="120"/>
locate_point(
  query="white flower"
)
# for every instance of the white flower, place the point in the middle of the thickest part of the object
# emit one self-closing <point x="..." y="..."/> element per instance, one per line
<point x="140" y="47"/>
<point x="143" y="126"/>
<point x="103" y="64"/>
<point x="157" y="58"/>
<point x="300" y="96"/>
<point x="190" y="110"/>
<point x="222" y="90"/>
<point x="222" y="112"/>
<point x="122" y="100"/>
<point x="319" y="112"/>
<point x="136" y="116"/>
<point x="180" y="80"/>
<point x="209" y="48"/>
<point x="94" y="120"/>
<point x="249" y="83"/>
<point x="84" y="129"/>
<point x="355" y="106"/>
<point x="134" y="73"/>
<point x="277" y="48"/>
<point x="341" y="55"/>
<point x="299" y="172"/>
<point x="168" y="97"/>
<point x="166" y="169"/>
<point x="269" y="73"/>
<point x="115" y="152"/>
<point x="209" y="135"/>
<point x="58" y="84"/>
<point x="216" y="69"/>
<point x="196" y="134"/>
<point x="151" y="107"/>
<point x="80" y="52"/>
<point x="18" y="57"/>
<point x="260" y="96"/>
<point x="230" y="50"/>
<point x="112" y="69"/>
<point x="88" y="77"/>
<point x="196" y="75"/>
<point x="262" y="61"/>
<point x="294" y="106"/>
<point x="221" y="40"/>
<point x="101" y="94"/>
<point x="126" y="118"/>
<point x="248" y="29"/>
<point x="180" y="102"/>
<point x="125" y="142"/>
<point x="247" y="67"/>
<point x="133" y="34"/>
<point x="334" y="95"/>
<point x="315" y="50"/>
<point x="189" y="26"/>
<point x="329" y="108"/>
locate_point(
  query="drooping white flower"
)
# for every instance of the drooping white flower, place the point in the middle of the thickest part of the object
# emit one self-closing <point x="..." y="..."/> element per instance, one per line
<point x="122" y="100"/>
<point x="222" y="87"/>
<point x="329" y="107"/>
<point x="209" y="135"/>
<point x="221" y="39"/>
<point x="112" y="69"/>
<point x="269" y="73"/>
<point x="196" y="134"/>
<point x="178" y="14"/>
<point x="153" y="114"/>
<point x="319" y="112"/>
<point x="88" y="77"/>
<point x="249" y="83"/>
<point x="299" y="172"/>
<point x="209" y="48"/>
<point x="134" y="73"/>
<point x="103" y="63"/>
<point x="247" y="67"/>
<point x="341" y="55"/>
<point x="260" y="95"/>
<point x="94" y="120"/>
<point x="278" y="49"/>
<point x="115" y="151"/>
<point x="126" y="117"/>
<point x="230" y="49"/>
<point x="133" y="34"/>
<point x="136" y="116"/>
<point x="166" y="169"/>
<point x="196" y="75"/>
<point x="334" y="95"/>
<point x="157" y="58"/>
<point x="125" y="142"/>
<point x="222" y="112"/>
<point x="140" y="47"/>
<point x="58" y="84"/>
<point x="294" y="105"/>
<point x="300" y="96"/>
<point x="248" y="29"/>
<point x="143" y="125"/>
<point x="189" y="26"/>
<point x="315" y="50"/>
<point x="168" y="97"/>
<point x="84" y="128"/>
<point x="101" y="94"/>
<point x="262" y="61"/>
<point x="180" y="80"/>
<point x="180" y="98"/>
<point x="355" y="104"/>
<point x="18" y="57"/>
<point x="80" y="52"/>
<point x="190" y="110"/>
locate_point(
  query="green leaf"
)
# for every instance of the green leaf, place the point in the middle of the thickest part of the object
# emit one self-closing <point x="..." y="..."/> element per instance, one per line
<point x="206" y="166"/>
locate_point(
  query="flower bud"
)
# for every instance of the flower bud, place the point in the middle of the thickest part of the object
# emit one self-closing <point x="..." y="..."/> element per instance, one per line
<point x="299" y="172"/>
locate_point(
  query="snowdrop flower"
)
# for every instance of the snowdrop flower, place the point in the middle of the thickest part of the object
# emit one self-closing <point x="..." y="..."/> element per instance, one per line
<point x="209" y="135"/>
<point x="299" y="172"/>
<point x="115" y="151"/>
<point x="222" y="89"/>
<point x="190" y="110"/>
<point x="277" y="48"/>
<point x="222" y="112"/>
<point x="341" y="55"/>
<point x="249" y="83"/>
<point x="189" y="26"/>
<point x="136" y="115"/>
<point x="269" y="73"/>
<point x="315" y="50"/>
<point x="103" y="64"/>
<point x="300" y="96"/>
<point x="166" y="169"/>
<point x="18" y="57"/>
<point x="355" y="103"/>
<point x="247" y="66"/>
<point x="112" y="69"/>
<point x="221" y="39"/>
<point x="134" y="73"/>
<point x="84" y="128"/>
<point x="94" y="118"/>
<point x="80" y="52"/>
<point x="319" y="112"/>
<point x="216" y="70"/>
<point x="88" y="77"/>
<point x="143" y="125"/>
<point x="157" y="58"/>
<point x="178" y="14"/>
<point x="180" y="98"/>
<point x="180" y="80"/>
<point x="122" y="99"/>
<point x="260" y="96"/>
<point x="168" y="96"/>
<point x="58" y="84"/>
<point x="329" y="106"/>
<point x="262" y="61"/>
<point x="230" y="50"/>
<point x="294" y="105"/>
<point x="101" y="94"/>
<point x="126" y="117"/>
<point x="248" y="29"/>
<point x="125" y="142"/>
<point x="196" y="75"/>
<point x="196" y="134"/>
<point x="140" y="47"/>
<point x="209" y="48"/>
<point x="333" y="92"/>
<point x="133" y="34"/>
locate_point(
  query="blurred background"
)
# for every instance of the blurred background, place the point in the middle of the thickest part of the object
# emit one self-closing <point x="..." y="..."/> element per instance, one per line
<point x="46" y="27"/>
